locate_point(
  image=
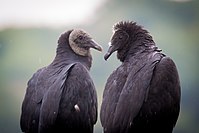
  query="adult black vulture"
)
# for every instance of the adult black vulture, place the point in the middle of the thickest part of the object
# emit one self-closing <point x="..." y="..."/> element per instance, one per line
<point x="143" y="94"/>
<point x="62" y="97"/>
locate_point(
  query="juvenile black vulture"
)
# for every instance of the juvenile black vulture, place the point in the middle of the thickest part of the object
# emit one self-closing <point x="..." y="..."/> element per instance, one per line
<point x="143" y="94"/>
<point x="62" y="97"/>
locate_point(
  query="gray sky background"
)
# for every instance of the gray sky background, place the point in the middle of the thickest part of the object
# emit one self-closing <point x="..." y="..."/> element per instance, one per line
<point x="46" y="12"/>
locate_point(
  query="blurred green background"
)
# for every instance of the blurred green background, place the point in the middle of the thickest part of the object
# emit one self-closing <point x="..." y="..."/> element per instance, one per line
<point x="26" y="46"/>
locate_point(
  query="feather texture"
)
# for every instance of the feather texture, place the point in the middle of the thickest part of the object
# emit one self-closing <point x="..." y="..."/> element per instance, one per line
<point x="143" y="93"/>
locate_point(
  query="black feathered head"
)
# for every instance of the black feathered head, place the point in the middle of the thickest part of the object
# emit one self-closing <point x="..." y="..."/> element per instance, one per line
<point x="125" y="26"/>
<point x="125" y="35"/>
<point x="81" y="42"/>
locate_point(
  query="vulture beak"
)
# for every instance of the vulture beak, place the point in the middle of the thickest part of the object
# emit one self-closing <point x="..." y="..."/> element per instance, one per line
<point x="111" y="49"/>
<point x="95" y="45"/>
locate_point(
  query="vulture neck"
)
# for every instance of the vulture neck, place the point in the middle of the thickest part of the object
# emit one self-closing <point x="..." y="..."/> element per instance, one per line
<point x="65" y="55"/>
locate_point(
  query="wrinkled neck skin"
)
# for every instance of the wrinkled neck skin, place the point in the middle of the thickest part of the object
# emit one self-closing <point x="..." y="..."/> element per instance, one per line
<point x="65" y="55"/>
<point x="139" y="42"/>
<point x="78" y="50"/>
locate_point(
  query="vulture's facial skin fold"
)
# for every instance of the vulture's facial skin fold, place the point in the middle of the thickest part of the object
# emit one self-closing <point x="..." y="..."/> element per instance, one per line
<point x="143" y="94"/>
<point x="81" y="42"/>
<point x="61" y="97"/>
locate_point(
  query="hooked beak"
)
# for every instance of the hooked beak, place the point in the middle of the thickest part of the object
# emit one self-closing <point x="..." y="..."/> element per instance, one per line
<point x="95" y="45"/>
<point x="109" y="52"/>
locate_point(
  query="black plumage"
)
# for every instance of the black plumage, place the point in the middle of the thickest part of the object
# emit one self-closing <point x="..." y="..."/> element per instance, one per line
<point x="143" y="93"/>
<point x="62" y="97"/>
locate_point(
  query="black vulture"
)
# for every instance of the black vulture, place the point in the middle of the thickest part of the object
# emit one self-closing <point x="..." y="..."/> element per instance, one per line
<point x="143" y="94"/>
<point x="61" y="97"/>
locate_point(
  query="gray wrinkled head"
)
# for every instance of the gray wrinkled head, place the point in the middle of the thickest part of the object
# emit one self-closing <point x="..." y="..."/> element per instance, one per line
<point x="81" y="42"/>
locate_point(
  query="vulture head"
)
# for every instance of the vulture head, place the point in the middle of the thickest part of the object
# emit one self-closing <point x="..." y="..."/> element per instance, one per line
<point x="127" y="36"/>
<point x="81" y="42"/>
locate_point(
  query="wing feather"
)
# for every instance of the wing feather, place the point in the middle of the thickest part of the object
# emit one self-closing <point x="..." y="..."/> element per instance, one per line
<point x="30" y="107"/>
<point x="123" y="101"/>
<point x="42" y="99"/>
<point x="51" y="99"/>
<point x="84" y="92"/>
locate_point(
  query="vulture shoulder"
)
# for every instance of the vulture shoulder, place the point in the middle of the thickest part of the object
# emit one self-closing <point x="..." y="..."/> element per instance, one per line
<point x="164" y="90"/>
<point x="162" y="103"/>
<point x="80" y="94"/>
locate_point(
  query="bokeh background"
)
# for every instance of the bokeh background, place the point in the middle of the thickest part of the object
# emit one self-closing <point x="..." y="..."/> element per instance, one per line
<point x="29" y="31"/>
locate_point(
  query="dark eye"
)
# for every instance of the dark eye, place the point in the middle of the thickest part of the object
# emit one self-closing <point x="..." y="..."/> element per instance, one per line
<point x="80" y="37"/>
<point x="120" y="37"/>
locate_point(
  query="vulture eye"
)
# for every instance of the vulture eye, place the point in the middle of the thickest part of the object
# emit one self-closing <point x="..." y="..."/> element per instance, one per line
<point x="80" y="37"/>
<point x="120" y="37"/>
